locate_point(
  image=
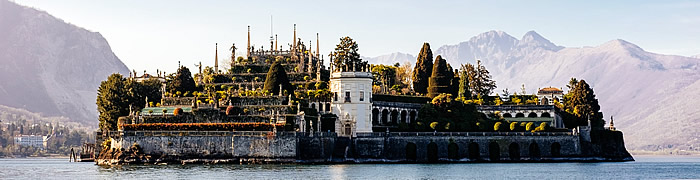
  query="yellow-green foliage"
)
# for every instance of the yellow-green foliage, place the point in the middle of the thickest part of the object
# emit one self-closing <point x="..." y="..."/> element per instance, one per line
<point x="513" y="126"/>
<point x="433" y="125"/>
<point x="497" y="126"/>
<point x="543" y="126"/>
<point x="529" y="126"/>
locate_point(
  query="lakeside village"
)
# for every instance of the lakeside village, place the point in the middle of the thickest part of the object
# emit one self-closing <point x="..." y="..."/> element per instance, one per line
<point x="284" y="106"/>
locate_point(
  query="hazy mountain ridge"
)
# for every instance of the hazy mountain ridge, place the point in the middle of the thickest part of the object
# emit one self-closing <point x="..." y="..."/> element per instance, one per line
<point x="50" y="66"/>
<point x="391" y="59"/>
<point x="647" y="93"/>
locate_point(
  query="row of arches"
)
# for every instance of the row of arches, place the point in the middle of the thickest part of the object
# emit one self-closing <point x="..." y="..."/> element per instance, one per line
<point x="473" y="153"/>
<point x="531" y="115"/>
<point x="393" y="117"/>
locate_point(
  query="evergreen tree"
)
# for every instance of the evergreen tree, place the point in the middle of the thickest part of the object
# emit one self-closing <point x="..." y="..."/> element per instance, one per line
<point x="483" y="78"/>
<point x="454" y="85"/>
<point x="385" y="76"/>
<point x="463" y="92"/>
<point x="276" y="76"/>
<point x="423" y="69"/>
<point x="112" y="101"/>
<point x="138" y="91"/>
<point x="582" y="103"/>
<point x="441" y="78"/>
<point x="346" y="56"/>
<point x="182" y="81"/>
<point x="479" y="79"/>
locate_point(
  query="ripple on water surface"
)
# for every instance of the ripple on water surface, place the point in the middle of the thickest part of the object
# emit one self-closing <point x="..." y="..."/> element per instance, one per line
<point x="646" y="167"/>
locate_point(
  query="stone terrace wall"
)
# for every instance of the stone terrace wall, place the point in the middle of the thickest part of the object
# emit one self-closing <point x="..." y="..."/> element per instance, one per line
<point x="212" y="144"/>
<point x="469" y="146"/>
<point x="374" y="147"/>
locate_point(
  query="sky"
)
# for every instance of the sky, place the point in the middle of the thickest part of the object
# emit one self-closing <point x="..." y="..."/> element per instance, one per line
<point x="156" y="34"/>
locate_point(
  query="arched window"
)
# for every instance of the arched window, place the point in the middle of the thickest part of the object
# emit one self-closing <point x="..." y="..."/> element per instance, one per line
<point x="413" y="116"/>
<point x="385" y="117"/>
<point x="555" y="149"/>
<point x="453" y="151"/>
<point x="494" y="152"/>
<point x="546" y="114"/>
<point x="348" y="130"/>
<point x="519" y="115"/>
<point x="432" y="152"/>
<point x="474" y="151"/>
<point x="375" y="116"/>
<point x="507" y="115"/>
<point x="532" y="115"/>
<point x="411" y="151"/>
<point x="534" y="151"/>
<point x="394" y="117"/>
<point x="404" y="117"/>
<point x="514" y="151"/>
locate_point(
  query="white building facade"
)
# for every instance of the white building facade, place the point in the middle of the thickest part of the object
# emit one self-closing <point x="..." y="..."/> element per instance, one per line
<point x="351" y="102"/>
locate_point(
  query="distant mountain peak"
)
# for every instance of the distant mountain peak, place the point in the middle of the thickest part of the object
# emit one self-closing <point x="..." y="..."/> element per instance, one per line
<point x="621" y="45"/>
<point x="533" y="39"/>
<point x="493" y="35"/>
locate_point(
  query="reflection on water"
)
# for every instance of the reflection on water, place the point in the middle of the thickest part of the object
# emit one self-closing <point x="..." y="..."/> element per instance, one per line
<point x="646" y="167"/>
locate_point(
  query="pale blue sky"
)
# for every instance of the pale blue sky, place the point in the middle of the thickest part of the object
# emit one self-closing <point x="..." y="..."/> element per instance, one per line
<point x="156" y="34"/>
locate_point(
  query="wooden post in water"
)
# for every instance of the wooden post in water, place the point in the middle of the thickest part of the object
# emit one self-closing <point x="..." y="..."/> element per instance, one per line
<point x="71" y="156"/>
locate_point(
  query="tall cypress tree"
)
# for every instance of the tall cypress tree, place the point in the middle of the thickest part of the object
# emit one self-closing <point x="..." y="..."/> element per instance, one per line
<point x="276" y="76"/>
<point x="423" y="69"/>
<point x="441" y="78"/>
<point x="465" y="72"/>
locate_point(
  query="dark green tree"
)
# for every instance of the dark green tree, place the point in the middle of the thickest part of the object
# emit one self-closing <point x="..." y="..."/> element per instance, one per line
<point x="112" y="101"/>
<point x="441" y="79"/>
<point x="479" y="80"/>
<point x="138" y="91"/>
<point x="276" y="76"/>
<point x="346" y="56"/>
<point x="423" y="69"/>
<point x="182" y="81"/>
<point x="583" y="105"/>
<point x="464" y="91"/>
<point x="485" y="85"/>
<point x="385" y="76"/>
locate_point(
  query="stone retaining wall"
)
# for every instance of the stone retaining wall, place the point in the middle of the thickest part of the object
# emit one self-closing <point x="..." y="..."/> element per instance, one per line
<point x="371" y="147"/>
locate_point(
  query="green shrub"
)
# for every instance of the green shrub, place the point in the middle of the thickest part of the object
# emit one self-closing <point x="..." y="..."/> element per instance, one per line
<point x="513" y="126"/>
<point x="497" y="126"/>
<point x="529" y="126"/>
<point x="433" y="125"/>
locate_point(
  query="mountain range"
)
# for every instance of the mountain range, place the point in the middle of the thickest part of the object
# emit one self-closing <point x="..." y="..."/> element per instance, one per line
<point x="650" y="95"/>
<point x="52" y="67"/>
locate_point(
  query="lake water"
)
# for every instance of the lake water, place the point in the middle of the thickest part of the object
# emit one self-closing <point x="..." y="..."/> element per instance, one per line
<point x="646" y="167"/>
